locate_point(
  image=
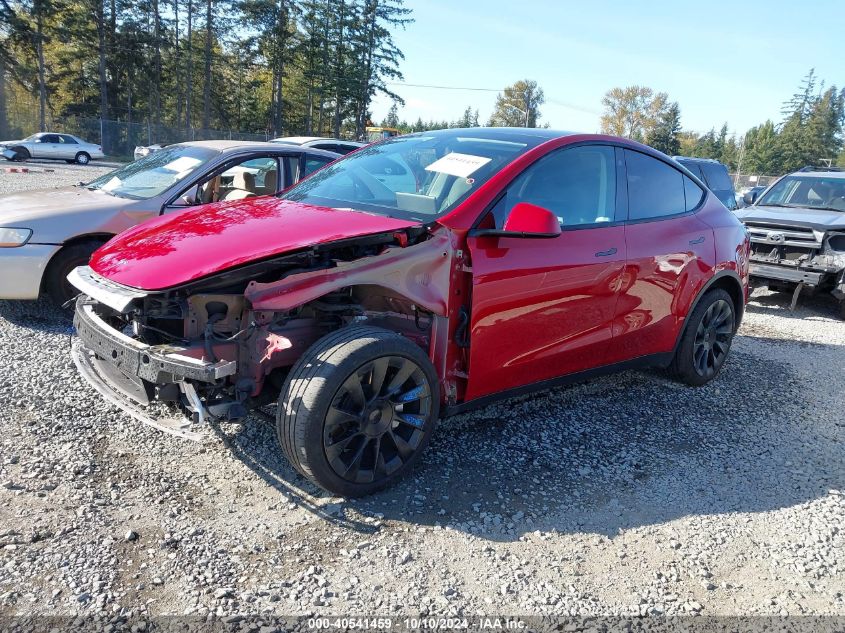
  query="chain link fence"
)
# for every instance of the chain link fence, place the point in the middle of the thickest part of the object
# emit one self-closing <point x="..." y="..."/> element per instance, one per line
<point x="118" y="138"/>
<point x="746" y="181"/>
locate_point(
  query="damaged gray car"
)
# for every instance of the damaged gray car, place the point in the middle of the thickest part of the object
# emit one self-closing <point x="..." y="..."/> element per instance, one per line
<point x="797" y="231"/>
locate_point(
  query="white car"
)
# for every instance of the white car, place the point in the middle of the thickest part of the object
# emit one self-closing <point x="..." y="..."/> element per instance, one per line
<point x="66" y="147"/>
<point x="145" y="150"/>
<point x="336" y="145"/>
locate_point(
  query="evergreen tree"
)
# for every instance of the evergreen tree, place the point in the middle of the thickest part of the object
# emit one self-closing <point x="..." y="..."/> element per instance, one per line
<point x="665" y="135"/>
<point x="518" y="105"/>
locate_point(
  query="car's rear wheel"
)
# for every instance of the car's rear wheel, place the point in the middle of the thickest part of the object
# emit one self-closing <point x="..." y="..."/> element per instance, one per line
<point x="82" y="158"/>
<point x="706" y="340"/>
<point x="56" y="284"/>
<point x="357" y="410"/>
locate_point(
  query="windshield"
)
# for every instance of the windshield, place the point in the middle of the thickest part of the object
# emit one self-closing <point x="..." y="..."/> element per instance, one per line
<point x="155" y="173"/>
<point x="418" y="177"/>
<point x="31" y="137"/>
<point x="806" y="191"/>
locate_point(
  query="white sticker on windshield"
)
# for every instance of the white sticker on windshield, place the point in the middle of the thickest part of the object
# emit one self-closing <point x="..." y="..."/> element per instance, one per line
<point x="460" y="165"/>
<point x="111" y="184"/>
<point x="185" y="163"/>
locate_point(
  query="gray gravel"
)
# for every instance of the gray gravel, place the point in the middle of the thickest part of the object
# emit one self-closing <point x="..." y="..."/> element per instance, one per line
<point x="626" y="495"/>
<point x="47" y="173"/>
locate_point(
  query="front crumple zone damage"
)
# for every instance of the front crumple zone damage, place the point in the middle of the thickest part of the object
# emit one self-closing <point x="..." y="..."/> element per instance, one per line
<point x="169" y="347"/>
<point x="797" y="257"/>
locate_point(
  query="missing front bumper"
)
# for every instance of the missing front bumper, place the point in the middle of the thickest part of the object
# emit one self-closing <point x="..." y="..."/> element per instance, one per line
<point x="782" y="273"/>
<point x="116" y="392"/>
<point x="128" y="373"/>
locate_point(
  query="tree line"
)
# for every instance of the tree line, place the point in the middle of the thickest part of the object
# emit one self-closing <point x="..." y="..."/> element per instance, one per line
<point x="810" y="133"/>
<point x="518" y="105"/>
<point x="272" y="66"/>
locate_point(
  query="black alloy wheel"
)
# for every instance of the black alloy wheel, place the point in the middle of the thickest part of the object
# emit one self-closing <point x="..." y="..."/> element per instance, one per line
<point x="358" y="409"/>
<point x="713" y="339"/>
<point x="706" y="340"/>
<point x="377" y="418"/>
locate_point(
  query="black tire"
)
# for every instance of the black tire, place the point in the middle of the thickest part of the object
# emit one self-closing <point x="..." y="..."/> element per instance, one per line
<point x="706" y="340"/>
<point x="55" y="277"/>
<point x="22" y="154"/>
<point x="82" y="158"/>
<point x="376" y="444"/>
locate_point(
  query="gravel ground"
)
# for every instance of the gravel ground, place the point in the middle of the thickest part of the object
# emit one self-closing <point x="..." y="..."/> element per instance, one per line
<point x="46" y="173"/>
<point x="627" y="495"/>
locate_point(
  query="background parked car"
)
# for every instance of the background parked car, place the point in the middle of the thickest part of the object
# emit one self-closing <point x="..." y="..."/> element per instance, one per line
<point x="713" y="174"/>
<point x="46" y="234"/>
<point x="145" y="150"/>
<point x="797" y="229"/>
<point x="750" y="196"/>
<point x="318" y="142"/>
<point x="67" y="147"/>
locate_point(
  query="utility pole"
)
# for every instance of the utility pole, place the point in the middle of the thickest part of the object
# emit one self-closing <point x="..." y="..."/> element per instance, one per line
<point x="739" y="161"/>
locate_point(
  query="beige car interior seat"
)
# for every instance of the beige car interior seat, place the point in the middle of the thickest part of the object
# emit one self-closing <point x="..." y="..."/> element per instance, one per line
<point x="243" y="186"/>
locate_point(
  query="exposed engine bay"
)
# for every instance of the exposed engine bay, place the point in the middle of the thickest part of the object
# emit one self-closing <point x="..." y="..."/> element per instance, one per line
<point x="221" y="347"/>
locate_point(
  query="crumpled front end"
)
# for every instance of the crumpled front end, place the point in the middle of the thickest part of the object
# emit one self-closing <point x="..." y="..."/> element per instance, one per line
<point x="787" y="257"/>
<point x="133" y="374"/>
<point x="219" y="348"/>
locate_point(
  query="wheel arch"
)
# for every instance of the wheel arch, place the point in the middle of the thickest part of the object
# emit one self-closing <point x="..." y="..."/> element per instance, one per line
<point x="727" y="280"/>
<point x="102" y="238"/>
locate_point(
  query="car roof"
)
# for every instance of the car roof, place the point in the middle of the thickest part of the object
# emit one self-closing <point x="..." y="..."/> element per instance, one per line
<point x="502" y="133"/>
<point x="819" y="172"/>
<point x="696" y="159"/>
<point x="227" y="146"/>
<point x="299" y="140"/>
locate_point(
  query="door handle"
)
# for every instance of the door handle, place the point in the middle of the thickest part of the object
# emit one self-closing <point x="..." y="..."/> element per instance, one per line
<point x="697" y="240"/>
<point x="606" y="253"/>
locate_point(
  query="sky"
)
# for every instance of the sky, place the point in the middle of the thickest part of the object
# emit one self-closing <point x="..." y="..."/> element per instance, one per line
<point x="734" y="62"/>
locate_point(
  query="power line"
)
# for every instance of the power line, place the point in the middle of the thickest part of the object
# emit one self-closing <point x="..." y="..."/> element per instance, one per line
<point x="402" y="83"/>
<point x="557" y="102"/>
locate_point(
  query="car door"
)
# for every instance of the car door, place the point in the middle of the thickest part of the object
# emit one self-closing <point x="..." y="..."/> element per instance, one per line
<point x="67" y="147"/>
<point x="44" y="146"/>
<point x="670" y="255"/>
<point x="543" y="308"/>
<point x="238" y="178"/>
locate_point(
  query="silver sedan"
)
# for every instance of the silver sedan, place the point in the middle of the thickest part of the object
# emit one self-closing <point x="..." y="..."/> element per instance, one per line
<point x="46" y="234"/>
<point x="53" y="146"/>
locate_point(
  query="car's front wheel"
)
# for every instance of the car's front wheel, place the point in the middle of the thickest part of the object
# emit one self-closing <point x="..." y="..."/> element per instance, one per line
<point x="706" y="340"/>
<point x="357" y="410"/>
<point x="82" y="158"/>
<point x="56" y="284"/>
<point x="21" y="154"/>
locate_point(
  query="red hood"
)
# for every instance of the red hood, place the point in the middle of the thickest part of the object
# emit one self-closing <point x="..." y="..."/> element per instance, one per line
<point x="175" y="249"/>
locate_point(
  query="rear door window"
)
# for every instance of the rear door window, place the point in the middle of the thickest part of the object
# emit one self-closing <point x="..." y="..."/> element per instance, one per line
<point x="655" y="189"/>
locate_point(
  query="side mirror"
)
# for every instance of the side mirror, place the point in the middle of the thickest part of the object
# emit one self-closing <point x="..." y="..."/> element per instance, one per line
<point x="525" y="220"/>
<point x="749" y="198"/>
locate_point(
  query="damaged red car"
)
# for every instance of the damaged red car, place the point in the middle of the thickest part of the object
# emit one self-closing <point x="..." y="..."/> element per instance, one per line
<point x="411" y="280"/>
